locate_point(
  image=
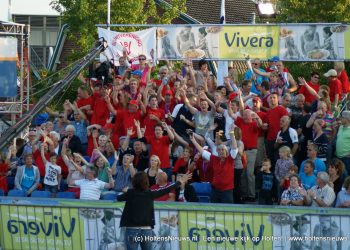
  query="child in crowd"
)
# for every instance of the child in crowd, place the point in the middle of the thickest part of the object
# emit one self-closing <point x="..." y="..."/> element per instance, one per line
<point x="53" y="176"/>
<point x="265" y="183"/>
<point x="282" y="165"/>
<point x="286" y="181"/>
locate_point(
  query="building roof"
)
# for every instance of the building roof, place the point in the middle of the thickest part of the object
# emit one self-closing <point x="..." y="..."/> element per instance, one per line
<point x="208" y="11"/>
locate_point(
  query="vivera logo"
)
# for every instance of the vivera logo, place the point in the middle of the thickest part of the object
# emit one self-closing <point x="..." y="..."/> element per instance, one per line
<point x="36" y="227"/>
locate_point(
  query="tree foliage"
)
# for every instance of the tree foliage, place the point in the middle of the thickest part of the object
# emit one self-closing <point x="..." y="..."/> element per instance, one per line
<point x="313" y="11"/>
<point x="83" y="15"/>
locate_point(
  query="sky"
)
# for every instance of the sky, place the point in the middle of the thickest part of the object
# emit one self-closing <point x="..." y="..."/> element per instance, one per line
<point x="26" y="7"/>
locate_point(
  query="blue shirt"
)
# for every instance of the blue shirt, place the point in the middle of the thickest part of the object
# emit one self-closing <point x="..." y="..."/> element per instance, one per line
<point x="259" y="80"/>
<point x="28" y="179"/>
<point x="343" y="196"/>
<point x="319" y="166"/>
<point x="80" y="131"/>
<point x="122" y="179"/>
<point x="307" y="181"/>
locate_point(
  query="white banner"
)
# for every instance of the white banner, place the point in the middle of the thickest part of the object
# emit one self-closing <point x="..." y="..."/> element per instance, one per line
<point x="188" y="42"/>
<point x="135" y="43"/>
<point x="8" y="49"/>
<point x="312" y="42"/>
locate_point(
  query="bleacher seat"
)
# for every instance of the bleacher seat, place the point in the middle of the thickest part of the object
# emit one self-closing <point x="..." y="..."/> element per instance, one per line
<point x="65" y="195"/>
<point x="109" y="197"/>
<point x="87" y="158"/>
<point x="203" y="191"/>
<point x="1" y="192"/>
<point x="41" y="194"/>
<point x="10" y="182"/>
<point x="16" y="193"/>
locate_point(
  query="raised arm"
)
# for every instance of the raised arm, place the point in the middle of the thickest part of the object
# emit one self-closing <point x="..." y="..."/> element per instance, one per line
<point x="42" y="153"/>
<point x="168" y="130"/>
<point x="110" y="183"/>
<point x="234" y="149"/>
<point x="307" y="86"/>
<point x="192" y="109"/>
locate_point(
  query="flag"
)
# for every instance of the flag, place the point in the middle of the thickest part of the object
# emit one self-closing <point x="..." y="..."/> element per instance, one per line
<point x="222" y="65"/>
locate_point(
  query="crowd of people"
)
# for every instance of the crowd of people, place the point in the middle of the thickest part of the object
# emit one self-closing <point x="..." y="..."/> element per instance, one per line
<point x="270" y="138"/>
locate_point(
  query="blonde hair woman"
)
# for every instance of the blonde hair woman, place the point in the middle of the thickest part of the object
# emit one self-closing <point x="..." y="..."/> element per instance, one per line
<point x="153" y="170"/>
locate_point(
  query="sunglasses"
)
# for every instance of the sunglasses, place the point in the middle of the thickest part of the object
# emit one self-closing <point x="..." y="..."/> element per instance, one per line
<point x="60" y="116"/>
<point x="255" y="63"/>
<point x="142" y="58"/>
<point x="316" y="77"/>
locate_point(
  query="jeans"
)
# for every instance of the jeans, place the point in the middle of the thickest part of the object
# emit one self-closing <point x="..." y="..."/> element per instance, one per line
<point x="248" y="177"/>
<point x="222" y="196"/>
<point x="135" y="237"/>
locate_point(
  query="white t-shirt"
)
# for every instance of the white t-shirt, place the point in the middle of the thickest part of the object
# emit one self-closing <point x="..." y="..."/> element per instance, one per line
<point x="51" y="173"/>
<point x="90" y="190"/>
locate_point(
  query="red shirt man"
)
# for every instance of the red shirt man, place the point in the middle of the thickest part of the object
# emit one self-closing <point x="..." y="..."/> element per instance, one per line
<point x="162" y="183"/>
<point x="273" y="117"/>
<point x="160" y="145"/>
<point x="249" y="130"/>
<point x="313" y="83"/>
<point x="154" y="116"/>
<point x="100" y="108"/>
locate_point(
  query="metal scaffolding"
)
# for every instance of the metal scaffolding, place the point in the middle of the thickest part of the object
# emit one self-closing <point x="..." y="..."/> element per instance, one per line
<point x="11" y="109"/>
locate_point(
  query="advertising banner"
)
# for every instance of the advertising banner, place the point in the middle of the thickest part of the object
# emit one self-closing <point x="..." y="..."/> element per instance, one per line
<point x="135" y="43"/>
<point x="347" y="41"/>
<point x="238" y="42"/>
<point x="312" y="42"/>
<point x="8" y="69"/>
<point x="40" y="228"/>
<point x="96" y="226"/>
<point x="194" y="42"/>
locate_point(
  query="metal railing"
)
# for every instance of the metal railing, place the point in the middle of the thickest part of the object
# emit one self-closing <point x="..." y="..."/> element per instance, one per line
<point x="31" y="223"/>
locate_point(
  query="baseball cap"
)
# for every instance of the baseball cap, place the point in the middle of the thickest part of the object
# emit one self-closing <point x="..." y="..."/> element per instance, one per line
<point x="257" y="99"/>
<point x="108" y="126"/>
<point x="331" y="72"/>
<point x="168" y="92"/>
<point x="137" y="73"/>
<point x="134" y="102"/>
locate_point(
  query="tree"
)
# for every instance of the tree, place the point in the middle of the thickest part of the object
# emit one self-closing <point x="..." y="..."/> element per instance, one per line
<point x="312" y="11"/>
<point x="83" y="15"/>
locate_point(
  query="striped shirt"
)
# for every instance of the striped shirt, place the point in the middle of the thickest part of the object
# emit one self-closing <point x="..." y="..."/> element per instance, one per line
<point x="90" y="190"/>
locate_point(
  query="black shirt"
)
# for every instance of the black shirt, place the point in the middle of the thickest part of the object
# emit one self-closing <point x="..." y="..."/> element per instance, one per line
<point x="139" y="207"/>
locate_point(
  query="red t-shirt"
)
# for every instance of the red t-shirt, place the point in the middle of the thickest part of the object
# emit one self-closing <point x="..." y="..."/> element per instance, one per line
<point x="309" y="98"/>
<point x="101" y="111"/>
<point x="343" y="77"/>
<point x="149" y="123"/>
<point x="223" y="172"/>
<point x="249" y="133"/>
<point x="205" y="171"/>
<point x="85" y="102"/>
<point x="38" y="161"/>
<point x="64" y="168"/>
<point x="127" y="119"/>
<point x="4" y="167"/>
<point x="273" y="117"/>
<point x="335" y="87"/>
<point x="165" y="197"/>
<point x="160" y="147"/>
<point x="180" y="165"/>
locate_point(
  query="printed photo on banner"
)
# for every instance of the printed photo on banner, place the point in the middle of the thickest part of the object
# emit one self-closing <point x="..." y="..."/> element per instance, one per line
<point x="8" y="69"/>
<point x="312" y="42"/>
<point x="102" y="231"/>
<point x="136" y="43"/>
<point x="187" y="42"/>
<point x="238" y="42"/>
